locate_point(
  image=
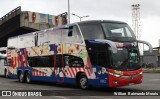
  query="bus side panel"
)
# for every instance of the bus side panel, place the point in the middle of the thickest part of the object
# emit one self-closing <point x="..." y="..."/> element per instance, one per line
<point x="47" y="75"/>
<point x="101" y="79"/>
<point x="11" y="72"/>
<point x="12" y="61"/>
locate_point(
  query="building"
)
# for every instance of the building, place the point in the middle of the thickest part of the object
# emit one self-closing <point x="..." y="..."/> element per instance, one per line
<point x="18" y="22"/>
<point x="152" y="58"/>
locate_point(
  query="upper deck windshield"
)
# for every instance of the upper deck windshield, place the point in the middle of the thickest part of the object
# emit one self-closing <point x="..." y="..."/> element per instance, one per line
<point x="117" y="30"/>
<point x="107" y="30"/>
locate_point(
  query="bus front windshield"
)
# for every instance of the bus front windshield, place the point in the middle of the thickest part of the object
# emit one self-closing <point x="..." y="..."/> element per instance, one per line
<point x="126" y="59"/>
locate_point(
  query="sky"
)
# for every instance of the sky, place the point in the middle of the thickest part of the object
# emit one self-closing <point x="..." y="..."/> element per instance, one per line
<point x="119" y="10"/>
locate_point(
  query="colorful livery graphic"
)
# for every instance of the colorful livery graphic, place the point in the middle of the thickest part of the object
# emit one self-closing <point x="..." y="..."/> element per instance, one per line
<point x="91" y="53"/>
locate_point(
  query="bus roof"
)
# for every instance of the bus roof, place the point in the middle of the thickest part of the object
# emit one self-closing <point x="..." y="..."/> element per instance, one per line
<point x="99" y="21"/>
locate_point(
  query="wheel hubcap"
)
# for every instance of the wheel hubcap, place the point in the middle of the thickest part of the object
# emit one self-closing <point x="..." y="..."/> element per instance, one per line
<point x="21" y="77"/>
<point x="28" y="78"/>
<point x="83" y="82"/>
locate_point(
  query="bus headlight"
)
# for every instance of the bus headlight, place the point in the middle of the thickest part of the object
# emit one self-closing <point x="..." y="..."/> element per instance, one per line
<point x="116" y="75"/>
<point x="140" y="73"/>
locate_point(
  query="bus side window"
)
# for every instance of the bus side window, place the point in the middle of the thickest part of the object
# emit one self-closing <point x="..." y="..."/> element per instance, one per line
<point x="41" y="61"/>
<point x="59" y="60"/>
<point x="32" y="61"/>
<point x="99" y="55"/>
<point x="74" y="61"/>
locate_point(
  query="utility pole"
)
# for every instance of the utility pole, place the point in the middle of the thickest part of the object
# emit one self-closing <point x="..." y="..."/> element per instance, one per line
<point x="68" y="12"/>
<point x="80" y="17"/>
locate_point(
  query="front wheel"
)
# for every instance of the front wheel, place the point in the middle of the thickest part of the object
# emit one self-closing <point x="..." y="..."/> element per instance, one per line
<point x="83" y="82"/>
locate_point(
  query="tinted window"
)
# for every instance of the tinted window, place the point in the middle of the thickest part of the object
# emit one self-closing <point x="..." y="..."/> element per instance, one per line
<point x="73" y="61"/>
<point x="99" y="55"/>
<point x="117" y="30"/>
<point x="99" y="59"/>
<point x="59" y="59"/>
<point x="41" y="61"/>
<point x="126" y="59"/>
<point x="91" y="31"/>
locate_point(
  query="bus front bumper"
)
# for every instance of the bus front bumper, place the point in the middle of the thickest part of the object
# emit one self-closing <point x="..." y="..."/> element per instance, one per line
<point x="130" y="78"/>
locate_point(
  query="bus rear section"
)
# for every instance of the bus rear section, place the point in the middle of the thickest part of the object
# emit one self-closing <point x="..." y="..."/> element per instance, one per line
<point x="3" y="62"/>
<point x="12" y="57"/>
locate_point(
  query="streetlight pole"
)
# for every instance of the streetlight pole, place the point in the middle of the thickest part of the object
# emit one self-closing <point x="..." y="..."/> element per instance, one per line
<point x="68" y="12"/>
<point x="80" y="17"/>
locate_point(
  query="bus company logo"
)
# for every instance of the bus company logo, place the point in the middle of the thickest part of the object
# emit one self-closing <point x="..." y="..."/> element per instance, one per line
<point x="6" y="93"/>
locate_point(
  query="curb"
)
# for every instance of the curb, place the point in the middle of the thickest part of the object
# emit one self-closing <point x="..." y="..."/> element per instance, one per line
<point x="151" y="70"/>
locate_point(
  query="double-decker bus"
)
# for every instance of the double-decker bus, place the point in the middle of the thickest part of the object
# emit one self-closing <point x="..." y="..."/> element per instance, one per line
<point x="89" y="53"/>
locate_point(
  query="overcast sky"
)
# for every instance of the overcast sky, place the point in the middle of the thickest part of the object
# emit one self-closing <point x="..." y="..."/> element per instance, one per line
<point x="97" y="10"/>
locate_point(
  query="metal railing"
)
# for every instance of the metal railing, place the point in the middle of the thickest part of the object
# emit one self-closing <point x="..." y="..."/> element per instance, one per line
<point x="10" y="15"/>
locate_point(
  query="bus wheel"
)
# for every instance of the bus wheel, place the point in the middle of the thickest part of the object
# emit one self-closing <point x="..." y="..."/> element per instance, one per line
<point x="83" y="82"/>
<point x="21" y="77"/>
<point x="28" y="78"/>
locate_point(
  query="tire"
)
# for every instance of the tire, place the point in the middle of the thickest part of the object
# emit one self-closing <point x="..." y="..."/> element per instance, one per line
<point x="21" y="77"/>
<point x="83" y="82"/>
<point x="28" y="78"/>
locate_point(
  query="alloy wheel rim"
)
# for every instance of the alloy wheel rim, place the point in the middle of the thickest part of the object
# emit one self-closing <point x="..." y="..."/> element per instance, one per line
<point x="21" y="77"/>
<point x="83" y="82"/>
<point x="28" y="78"/>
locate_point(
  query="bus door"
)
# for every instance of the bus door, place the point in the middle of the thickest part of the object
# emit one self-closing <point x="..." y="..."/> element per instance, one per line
<point x="100" y="58"/>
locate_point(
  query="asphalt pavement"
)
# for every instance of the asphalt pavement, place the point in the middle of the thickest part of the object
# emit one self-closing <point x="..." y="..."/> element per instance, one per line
<point x="151" y="83"/>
